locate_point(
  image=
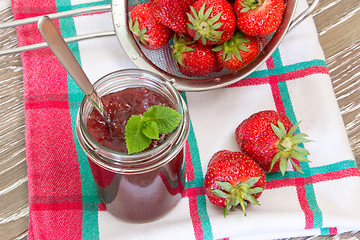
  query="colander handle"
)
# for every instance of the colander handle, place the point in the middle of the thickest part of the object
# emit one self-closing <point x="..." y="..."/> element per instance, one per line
<point x="100" y="8"/>
<point x="305" y="14"/>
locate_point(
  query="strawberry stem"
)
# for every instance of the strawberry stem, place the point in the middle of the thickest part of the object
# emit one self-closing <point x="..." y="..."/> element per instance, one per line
<point x="251" y="4"/>
<point x="180" y="46"/>
<point x="288" y="148"/>
<point x="242" y="194"/>
<point x="232" y="46"/>
<point x="287" y="144"/>
<point x="139" y="33"/>
<point x="205" y="28"/>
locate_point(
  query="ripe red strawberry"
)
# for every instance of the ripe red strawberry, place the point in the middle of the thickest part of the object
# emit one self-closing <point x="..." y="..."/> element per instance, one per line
<point x="233" y="179"/>
<point x="269" y="138"/>
<point x="238" y="51"/>
<point x="150" y="33"/>
<point x="172" y="13"/>
<point x="259" y="17"/>
<point x="193" y="58"/>
<point x="211" y="21"/>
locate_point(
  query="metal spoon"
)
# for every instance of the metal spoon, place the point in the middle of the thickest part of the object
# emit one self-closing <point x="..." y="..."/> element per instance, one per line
<point x="61" y="50"/>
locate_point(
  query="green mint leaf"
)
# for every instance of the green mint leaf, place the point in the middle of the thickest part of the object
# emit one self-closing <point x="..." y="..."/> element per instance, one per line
<point x="136" y="141"/>
<point x="151" y="130"/>
<point x="167" y="118"/>
<point x="141" y="129"/>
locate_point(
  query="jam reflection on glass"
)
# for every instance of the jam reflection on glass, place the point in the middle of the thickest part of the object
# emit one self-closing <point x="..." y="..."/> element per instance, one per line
<point x="136" y="197"/>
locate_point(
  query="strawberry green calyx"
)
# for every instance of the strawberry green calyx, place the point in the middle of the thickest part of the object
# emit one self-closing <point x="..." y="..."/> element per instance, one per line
<point x="180" y="46"/>
<point x="239" y="195"/>
<point x="250" y="4"/>
<point x="205" y="28"/>
<point x="139" y="33"/>
<point x="288" y="148"/>
<point x="232" y="47"/>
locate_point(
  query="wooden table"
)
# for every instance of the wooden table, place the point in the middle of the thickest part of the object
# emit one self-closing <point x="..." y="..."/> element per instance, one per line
<point x="338" y="27"/>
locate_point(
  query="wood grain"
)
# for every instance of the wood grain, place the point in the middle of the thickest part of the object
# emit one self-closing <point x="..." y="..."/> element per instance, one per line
<point x="344" y="68"/>
<point x="14" y="206"/>
<point x="337" y="22"/>
<point x="339" y="34"/>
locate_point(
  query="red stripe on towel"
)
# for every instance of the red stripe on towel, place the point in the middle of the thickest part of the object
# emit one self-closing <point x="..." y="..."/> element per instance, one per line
<point x="279" y="104"/>
<point x="284" y="76"/>
<point x="321" y="177"/>
<point x="332" y="230"/>
<point x="26" y="9"/>
<point x="273" y="81"/>
<point x="53" y="170"/>
<point x="192" y="194"/>
<point x="189" y="171"/>
<point x="304" y="203"/>
<point x="47" y="104"/>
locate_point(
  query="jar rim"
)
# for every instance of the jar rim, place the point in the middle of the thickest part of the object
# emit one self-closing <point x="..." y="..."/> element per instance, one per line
<point x="142" y="161"/>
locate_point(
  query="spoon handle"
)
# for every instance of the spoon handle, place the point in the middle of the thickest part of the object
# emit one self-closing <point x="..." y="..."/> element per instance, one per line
<point x="61" y="50"/>
<point x="57" y="44"/>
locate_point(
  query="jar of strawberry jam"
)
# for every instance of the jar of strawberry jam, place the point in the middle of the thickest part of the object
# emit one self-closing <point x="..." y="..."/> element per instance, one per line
<point x="139" y="187"/>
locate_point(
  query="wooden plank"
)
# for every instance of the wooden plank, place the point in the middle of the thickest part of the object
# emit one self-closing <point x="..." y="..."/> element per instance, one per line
<point x="337" y="23"/>
<point x="14" y="216"/>
<point x="344" y="68"/>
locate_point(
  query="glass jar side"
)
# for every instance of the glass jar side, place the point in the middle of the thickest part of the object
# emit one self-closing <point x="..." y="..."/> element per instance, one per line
<point x="140" y="187"/>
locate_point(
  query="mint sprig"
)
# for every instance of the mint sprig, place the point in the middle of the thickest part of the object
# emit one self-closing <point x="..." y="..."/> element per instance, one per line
<point x="141" y="129"/>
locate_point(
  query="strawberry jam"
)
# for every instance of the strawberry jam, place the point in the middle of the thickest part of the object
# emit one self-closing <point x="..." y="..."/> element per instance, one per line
<point x="141" y="195"/>
<point x="121" y="106"/>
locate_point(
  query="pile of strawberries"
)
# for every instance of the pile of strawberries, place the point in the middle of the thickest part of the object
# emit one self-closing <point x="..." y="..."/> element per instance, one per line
<point x="208" y="35"/>
<point x="268" y="141"/>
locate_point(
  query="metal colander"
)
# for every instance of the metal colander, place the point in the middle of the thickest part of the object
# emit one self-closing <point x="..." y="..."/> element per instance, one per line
<point x="161" y="61"/>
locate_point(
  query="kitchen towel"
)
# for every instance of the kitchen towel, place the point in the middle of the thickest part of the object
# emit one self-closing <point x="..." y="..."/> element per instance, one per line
<point x="295" y="80"/>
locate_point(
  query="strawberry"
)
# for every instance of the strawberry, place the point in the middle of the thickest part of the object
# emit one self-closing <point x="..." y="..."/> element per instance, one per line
<point x="238" y="51"/>
<point x="211" y="21"/>
<point x="233" y="179"/>
<point x="259" y="17"/>
<point x="193" y="58"/>
<point x="269" y="138"/>
<point x="150" y="33"/>
<point x="172" y="13"/>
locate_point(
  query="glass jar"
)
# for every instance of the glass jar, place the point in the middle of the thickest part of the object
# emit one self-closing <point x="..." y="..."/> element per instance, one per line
<point x="144" y="186"/>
